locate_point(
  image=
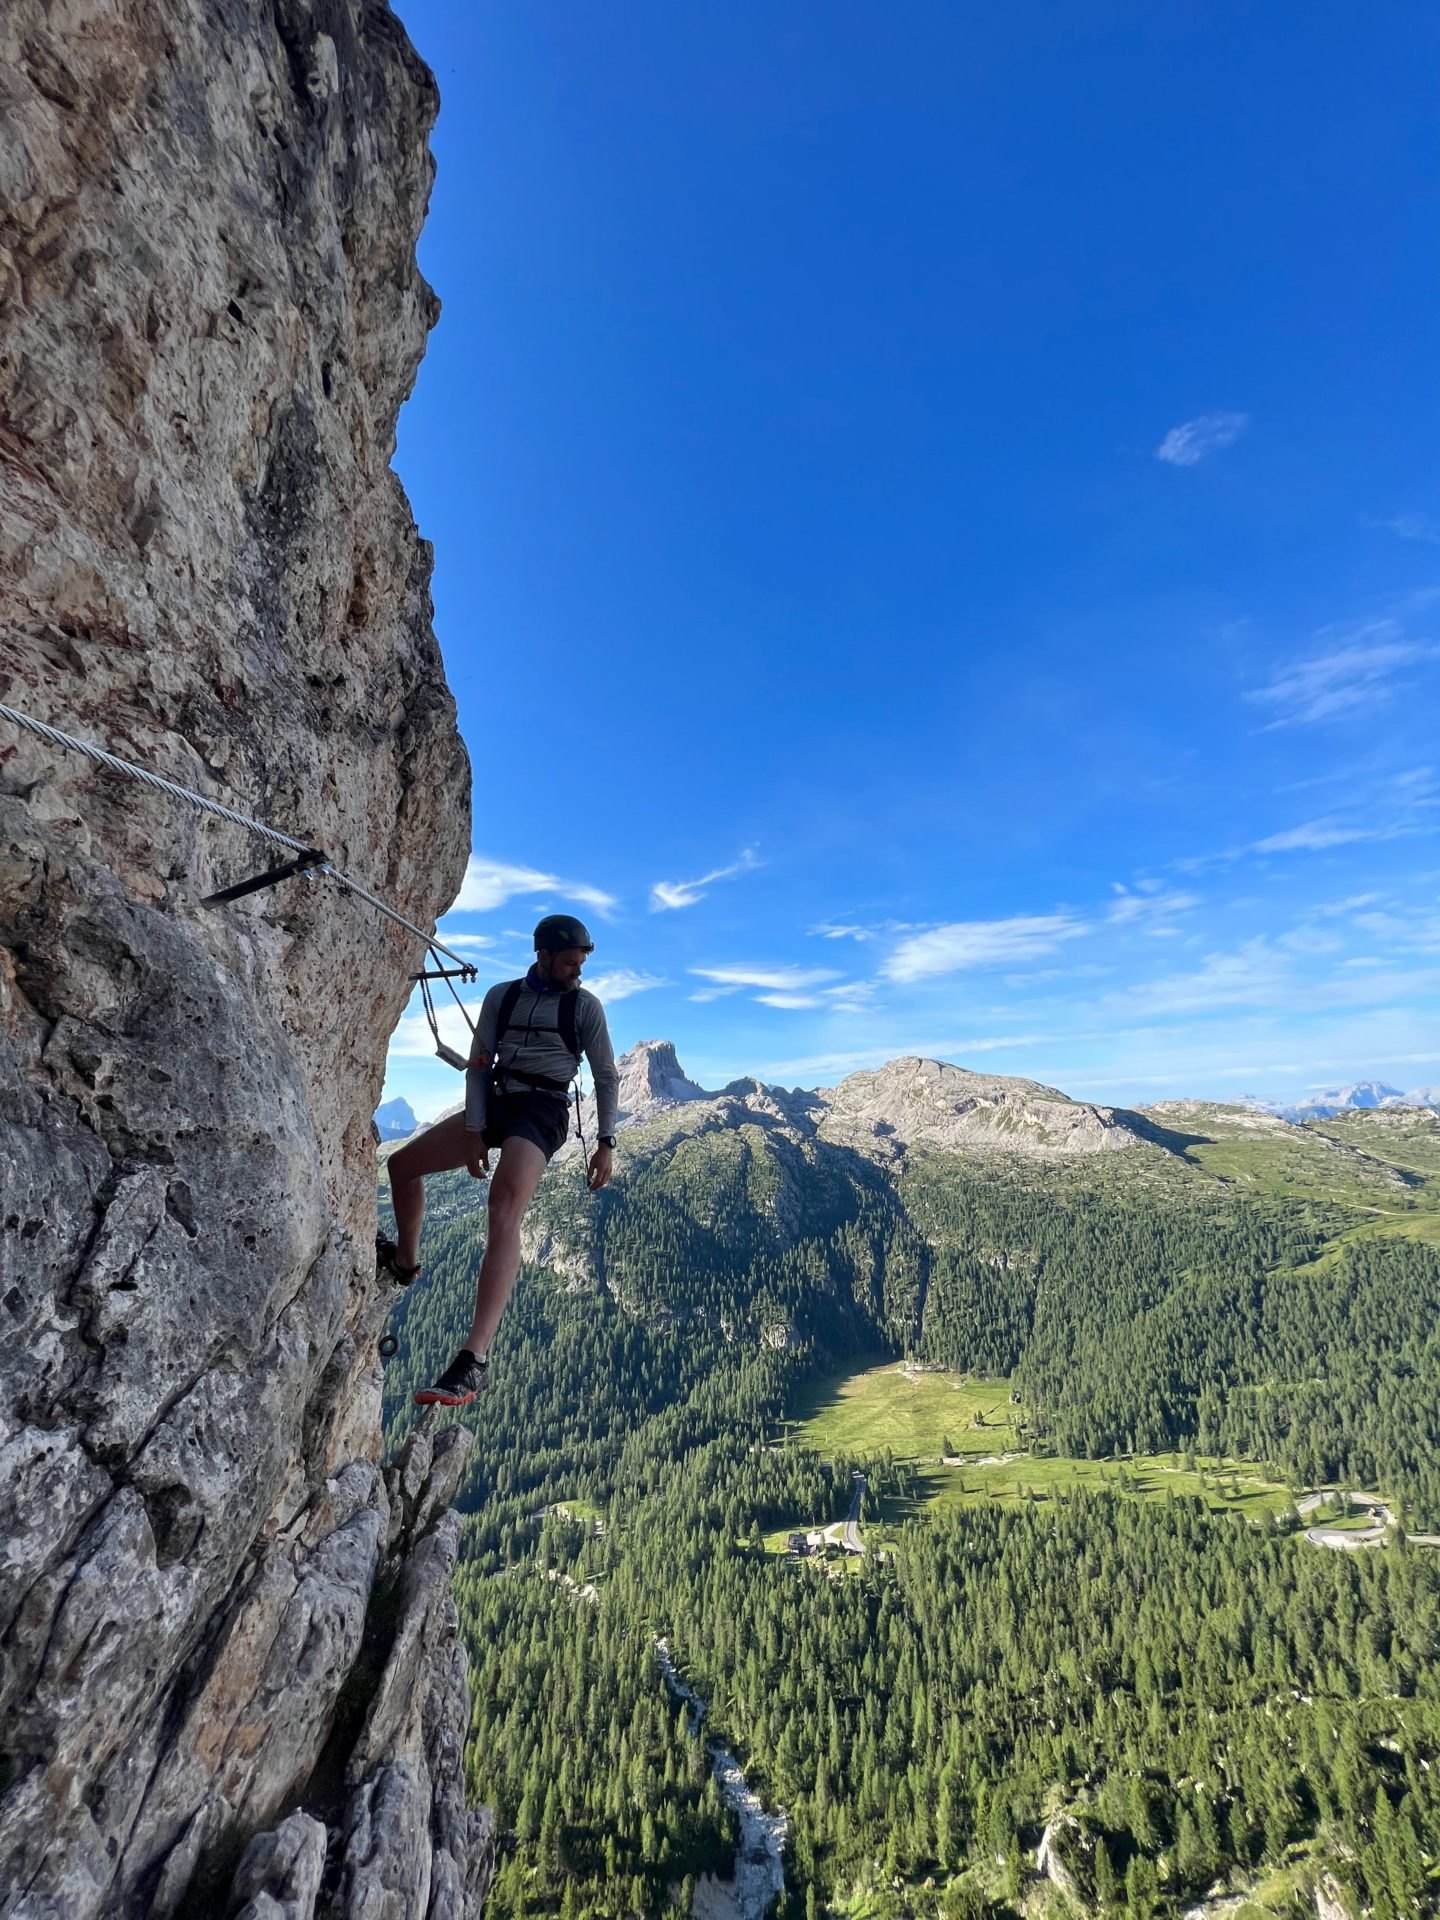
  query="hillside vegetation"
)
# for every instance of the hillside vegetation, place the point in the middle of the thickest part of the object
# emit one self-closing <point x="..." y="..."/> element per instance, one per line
<point x="1205" y="1697"/>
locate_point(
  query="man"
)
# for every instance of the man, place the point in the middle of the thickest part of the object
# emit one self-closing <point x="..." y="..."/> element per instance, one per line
<point x="526" y="1051"/>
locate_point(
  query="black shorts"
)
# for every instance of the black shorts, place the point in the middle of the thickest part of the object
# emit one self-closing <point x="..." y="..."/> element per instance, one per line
<point x="541" y="1117"/>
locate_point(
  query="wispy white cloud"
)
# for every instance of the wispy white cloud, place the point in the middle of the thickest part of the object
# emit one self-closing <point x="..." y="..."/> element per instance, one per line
<point x="830" y="930"/>
<point x="1149" y="901"/>
<point x="1352" y="903"/>
<point x="474" y="942"/>
<point x="981" y="943"/>
<point x="781" y="979"/>
<point x="1313" y="836"/>
<point x="488" y="884"/>
<point x="1196" y="440"/>
<point x="622" y="982"/>
<point x="1356" y="676"/>
<point x="789" y="1000"/>
<point x="666" y="895"/>
<point x="851" y="996"/>
<point x="1261" y="974"/>
<point x="1410" y="526"/>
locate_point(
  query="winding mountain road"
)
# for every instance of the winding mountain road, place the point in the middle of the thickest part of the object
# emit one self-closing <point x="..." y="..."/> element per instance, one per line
<point x="1348" y="1539"/>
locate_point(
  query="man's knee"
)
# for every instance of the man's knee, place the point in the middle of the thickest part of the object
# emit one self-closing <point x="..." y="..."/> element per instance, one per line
<point x="506" y="1207"/>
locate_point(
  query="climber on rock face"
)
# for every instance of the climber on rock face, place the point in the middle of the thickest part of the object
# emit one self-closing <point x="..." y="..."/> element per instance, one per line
<point x="528" y="1042"/>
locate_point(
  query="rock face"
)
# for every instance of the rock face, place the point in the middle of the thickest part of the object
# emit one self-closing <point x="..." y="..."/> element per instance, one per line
<point x="230" y="1669"/>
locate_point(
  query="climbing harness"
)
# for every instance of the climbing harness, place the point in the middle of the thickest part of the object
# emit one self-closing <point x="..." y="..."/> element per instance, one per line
<point x="566" y="1027"/>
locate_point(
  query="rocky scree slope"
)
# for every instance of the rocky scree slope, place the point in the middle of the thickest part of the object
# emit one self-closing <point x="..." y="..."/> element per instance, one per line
<point x="230" y="1673"/>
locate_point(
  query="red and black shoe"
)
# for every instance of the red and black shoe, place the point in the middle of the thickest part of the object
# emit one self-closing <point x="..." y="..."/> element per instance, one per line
<point x="458" y="1384"/>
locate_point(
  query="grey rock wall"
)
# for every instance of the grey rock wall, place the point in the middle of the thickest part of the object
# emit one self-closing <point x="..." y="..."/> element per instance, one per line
<point x="229" y="1670"/>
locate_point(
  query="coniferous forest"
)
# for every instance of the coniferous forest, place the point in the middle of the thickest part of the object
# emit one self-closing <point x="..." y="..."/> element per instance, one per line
<point x="1142" y="1702"/>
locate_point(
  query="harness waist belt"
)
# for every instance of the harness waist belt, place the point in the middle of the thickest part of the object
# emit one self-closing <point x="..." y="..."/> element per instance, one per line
<point x="538" y="1080"/>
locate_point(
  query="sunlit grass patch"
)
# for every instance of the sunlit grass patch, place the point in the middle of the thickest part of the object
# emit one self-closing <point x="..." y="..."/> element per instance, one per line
<point x="914" y="1413"/>
<point x="1224" y="1486"/>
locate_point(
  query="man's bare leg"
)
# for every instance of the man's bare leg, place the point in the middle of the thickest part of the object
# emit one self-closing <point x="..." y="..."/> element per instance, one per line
<point x="440" y="1149"/>
<point x="512" y="1188"/>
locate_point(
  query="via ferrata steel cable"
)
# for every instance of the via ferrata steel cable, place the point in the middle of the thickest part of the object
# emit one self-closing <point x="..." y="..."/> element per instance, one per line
<point x="128" y="768"/>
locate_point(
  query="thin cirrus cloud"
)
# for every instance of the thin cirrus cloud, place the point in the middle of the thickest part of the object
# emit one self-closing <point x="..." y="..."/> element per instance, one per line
<point x="1314" y="836"/>
<point x="789" y="987"/>
<point x="1410" y="526"/>
<point x="1349" y="679"/>
<point x="981" y="943"/>
<point x="1187" y="445"/>
<point x="623" y="982"/>
<point x="667" y="895"/>
<point x="490" y="883"/>
<point x="1149" y="903"/>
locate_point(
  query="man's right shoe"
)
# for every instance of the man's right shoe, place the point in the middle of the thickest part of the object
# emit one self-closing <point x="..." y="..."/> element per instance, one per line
<point x="458" y="1384"/>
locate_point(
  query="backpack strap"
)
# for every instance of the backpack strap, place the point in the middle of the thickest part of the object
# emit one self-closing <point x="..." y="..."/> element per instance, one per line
<point x="569" y="1015"/>
<point x="506" y="1014"/>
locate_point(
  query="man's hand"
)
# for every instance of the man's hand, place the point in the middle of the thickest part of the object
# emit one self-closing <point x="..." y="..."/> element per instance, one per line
<point x="477" y="1155"/>
<point x="601" y="1161"/>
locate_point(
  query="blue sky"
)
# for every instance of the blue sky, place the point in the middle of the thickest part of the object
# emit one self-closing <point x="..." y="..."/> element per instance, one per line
<point x="937" y="529"/>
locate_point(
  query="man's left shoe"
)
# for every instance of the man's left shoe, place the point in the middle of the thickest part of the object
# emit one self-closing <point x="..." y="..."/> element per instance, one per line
<point x="458" y="1384"/>
<point x="387" y="1260"/>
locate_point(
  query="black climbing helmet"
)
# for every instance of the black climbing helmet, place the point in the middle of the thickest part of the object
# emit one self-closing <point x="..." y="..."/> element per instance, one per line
<point x="558" y="931"/>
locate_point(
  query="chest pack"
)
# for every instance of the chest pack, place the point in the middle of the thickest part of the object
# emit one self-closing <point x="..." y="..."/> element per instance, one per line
<point x="565" y="1028"/>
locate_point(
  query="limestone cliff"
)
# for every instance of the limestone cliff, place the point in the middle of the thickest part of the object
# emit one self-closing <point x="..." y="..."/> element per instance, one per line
<point x="230" y="1669"/>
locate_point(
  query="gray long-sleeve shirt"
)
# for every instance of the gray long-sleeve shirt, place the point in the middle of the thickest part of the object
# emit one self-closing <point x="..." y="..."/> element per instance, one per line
<point x="532" y="1043"/>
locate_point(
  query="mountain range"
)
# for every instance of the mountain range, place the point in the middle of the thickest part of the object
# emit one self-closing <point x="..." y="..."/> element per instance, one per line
<point x="1363" y="1096"/>
<point x="914" y="1102"/>
<point x="929" y="1103"/>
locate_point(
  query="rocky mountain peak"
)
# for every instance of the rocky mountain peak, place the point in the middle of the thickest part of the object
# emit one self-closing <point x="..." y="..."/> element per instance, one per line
<point x="917" y="1102"/>
<point x="651" y="1077"/>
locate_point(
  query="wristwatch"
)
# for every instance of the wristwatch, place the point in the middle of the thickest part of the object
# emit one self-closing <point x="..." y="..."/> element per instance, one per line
<point x="606" y="1140"/>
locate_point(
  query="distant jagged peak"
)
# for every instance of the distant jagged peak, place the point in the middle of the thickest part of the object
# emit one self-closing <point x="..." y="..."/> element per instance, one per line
<point x="395" y="1120"/>
<point x="1361" y="1096"/>
<point x="651" y="1076"/>
<point x="913" y="1101"/>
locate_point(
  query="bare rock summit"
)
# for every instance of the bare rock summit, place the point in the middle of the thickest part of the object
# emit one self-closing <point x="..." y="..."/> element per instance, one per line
<point x="928" y="1103"/>
<point x="651" y="1078"/>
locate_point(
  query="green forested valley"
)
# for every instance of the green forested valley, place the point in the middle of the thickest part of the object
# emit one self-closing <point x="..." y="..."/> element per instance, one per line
<point x="1088" y="1675"/>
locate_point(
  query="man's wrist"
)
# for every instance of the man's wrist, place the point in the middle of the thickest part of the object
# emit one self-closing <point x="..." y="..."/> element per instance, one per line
<point x="606" y="1140"/>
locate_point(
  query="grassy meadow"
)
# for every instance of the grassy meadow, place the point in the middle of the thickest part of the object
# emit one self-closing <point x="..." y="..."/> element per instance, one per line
<point x="951" y="1435"/>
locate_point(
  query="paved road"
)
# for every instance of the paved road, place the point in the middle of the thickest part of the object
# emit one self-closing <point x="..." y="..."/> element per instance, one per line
<point x="850" y="1534"/>
<point x="1344" y="1539"/>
